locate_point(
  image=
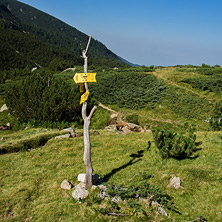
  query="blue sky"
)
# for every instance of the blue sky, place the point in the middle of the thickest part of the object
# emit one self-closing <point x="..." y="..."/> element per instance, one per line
<point x="147" y="32"/>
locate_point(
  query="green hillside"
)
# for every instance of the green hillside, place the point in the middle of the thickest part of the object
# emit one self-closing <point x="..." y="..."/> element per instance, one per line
<point x="164" y="96"/>
<point x="54" y="32"/>
<point x="20" y="47"/>
<point x="167" y="96"/>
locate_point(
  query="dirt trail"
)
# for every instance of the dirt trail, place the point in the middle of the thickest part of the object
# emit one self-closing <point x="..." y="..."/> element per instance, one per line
<point x="107" y="108"/>
<point x="179" y="86"/>
<point x="173" y="83"/>
<point x="118" y="114"/>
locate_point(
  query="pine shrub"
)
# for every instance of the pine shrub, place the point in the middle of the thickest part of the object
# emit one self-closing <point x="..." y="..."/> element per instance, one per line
<point x="43" y="98"/>
<point x="173" y="144"/>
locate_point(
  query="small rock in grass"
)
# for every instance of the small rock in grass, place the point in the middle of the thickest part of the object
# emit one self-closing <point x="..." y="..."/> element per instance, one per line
<point x="175" y="182"/>
<point x="126" y="130"/>
<point x="159" y="208"/>
<point x="66" y="185"/>
<point x="71" y="132"/>
<point x="3" y="108"/>
<point x="81" y="178"/>
<point x="62" y="136"/>
<point x="116" y="199"/>
<point x="80" y="192"/>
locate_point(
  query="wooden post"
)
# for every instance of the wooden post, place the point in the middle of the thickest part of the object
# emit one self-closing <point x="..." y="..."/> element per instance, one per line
<point x="87" y="145"/>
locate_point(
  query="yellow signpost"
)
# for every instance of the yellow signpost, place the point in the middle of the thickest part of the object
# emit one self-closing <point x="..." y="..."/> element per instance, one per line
<point x="84" y="97"/>
<point x="84" y="77"/>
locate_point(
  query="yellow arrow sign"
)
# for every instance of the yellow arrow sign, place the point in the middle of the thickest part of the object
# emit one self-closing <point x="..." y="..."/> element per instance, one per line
<point x="84" y="97"/>
<point x="84" y="77"/>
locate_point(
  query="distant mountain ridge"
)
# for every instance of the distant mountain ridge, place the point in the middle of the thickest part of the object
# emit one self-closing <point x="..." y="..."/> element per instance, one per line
<point x="22" y="24"/>
<point x="129" y="63"/>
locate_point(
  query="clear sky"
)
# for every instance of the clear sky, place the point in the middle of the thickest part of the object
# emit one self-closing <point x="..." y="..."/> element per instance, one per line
<point x="147" y="32"/>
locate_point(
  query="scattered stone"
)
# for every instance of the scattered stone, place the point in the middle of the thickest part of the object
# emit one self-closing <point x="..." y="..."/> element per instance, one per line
<point x="3" y="108"/>
<point x="120" y="124"/>
<point x="71" y="132"/>
<point x="116" y="199"/>
<point x="147" y="131"/>
<point x="159" y="208"/>
<point x="128" y="127"/>
<point x="114" y="115"/>
<point x="126" y="130"/>
<point x="103" y="195"/>
<point x="80" y="192"/>
<point x="111" y="128"/>
<point x="65" y="185"/>
<point x="175" y="182"/>
<point x="81" y="178"/>
<point x="62" y="136"/>
<point x="135" y="128"/>
<point x="102" y="187"/>
<point x="34" y="68"/>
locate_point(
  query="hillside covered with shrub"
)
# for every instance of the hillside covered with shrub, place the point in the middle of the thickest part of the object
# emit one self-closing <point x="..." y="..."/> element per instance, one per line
<point x="32" y="37"/>
<point x="157" y="97"/>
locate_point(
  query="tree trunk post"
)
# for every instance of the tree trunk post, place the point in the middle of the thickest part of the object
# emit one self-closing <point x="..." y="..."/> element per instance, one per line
<point x="87" y="145"/>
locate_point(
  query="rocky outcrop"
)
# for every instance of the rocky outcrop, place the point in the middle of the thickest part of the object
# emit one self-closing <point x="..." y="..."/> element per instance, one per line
<point x="128" y="127"/>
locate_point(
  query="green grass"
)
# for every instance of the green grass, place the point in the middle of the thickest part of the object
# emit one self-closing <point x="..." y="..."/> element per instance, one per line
<point x="14" y="141"/>
<point x="30" y="181"/>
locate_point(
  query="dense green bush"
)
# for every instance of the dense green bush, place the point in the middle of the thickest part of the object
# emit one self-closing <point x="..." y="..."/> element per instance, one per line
<point x="211" y="79"/>
<point x="128" y="89"/>
<point x="216" y="117"/>
<point x="60" y="64"/>
<point x="42" y="97"/>
<point x="187" y="104"/>
<point x="148" y="69"/>
<point x="213" y="83"/>
<point x="175" y="144"/>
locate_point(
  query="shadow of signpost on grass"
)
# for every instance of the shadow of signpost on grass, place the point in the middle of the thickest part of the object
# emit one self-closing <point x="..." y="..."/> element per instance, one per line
<point x="136" y="157"/>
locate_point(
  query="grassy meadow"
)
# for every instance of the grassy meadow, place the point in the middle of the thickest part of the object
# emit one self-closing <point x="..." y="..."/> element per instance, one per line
<point x="30" y="180"/>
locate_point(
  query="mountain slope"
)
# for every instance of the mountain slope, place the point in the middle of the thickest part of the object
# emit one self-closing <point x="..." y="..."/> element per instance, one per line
<point x="53" y="31"/>
<point x="19" y="47"/>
